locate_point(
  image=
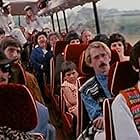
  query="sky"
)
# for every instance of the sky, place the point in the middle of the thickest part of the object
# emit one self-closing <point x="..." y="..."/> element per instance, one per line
<point x="120" y="4"/>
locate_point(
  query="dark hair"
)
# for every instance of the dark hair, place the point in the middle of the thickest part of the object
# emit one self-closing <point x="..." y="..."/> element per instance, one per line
<point x="102" y="38"/>
<point x="135" y="54"/>
<point x="2" y="31"/>
<point x="71" y="36"/>
<point x="115" y="37"/>
<point x="38" y="34"/>
<point x="9" y="42"/>
<point x="68" y="66"/>
<point x="54" y="33"/>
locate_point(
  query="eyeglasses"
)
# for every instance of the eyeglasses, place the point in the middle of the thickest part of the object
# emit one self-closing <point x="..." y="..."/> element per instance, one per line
<point x="5" y="68"/>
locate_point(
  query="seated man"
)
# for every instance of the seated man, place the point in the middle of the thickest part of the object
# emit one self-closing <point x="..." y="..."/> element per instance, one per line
<point x="126" y="106"/>
<point x="95" y="90"/>
<point x="11" y="49"/>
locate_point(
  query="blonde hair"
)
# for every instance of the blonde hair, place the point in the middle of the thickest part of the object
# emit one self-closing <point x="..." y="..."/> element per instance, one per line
<point x="95" y="44"/>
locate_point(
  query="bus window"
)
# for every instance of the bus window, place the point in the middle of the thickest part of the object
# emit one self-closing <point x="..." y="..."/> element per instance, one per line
<point x="122" y="17"/>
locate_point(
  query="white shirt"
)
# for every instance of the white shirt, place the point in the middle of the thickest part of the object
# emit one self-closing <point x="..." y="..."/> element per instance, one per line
<point x="36" y="24"/>
<point x="124" y="125"/>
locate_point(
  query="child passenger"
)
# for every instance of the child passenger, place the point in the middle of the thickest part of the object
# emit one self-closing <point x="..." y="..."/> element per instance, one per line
<point x="70" y="86"/>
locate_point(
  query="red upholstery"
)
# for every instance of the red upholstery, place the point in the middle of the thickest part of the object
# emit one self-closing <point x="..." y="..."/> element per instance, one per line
<point x="17" y="107"/>
<point x="18" y="74"/>
<point x="83" y="68"/>
<point x="114" y="57"/>
<point x="121" y="76"/>
<point x="128" y="48"/>
<point x="73" y="52"/>
<point x="59" y="48"/>
<point x="108" y="123"/>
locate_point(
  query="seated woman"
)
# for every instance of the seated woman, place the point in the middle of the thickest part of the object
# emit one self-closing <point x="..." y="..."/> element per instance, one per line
<point x="117" y="43"/>
<point x="72" y="38"/>
<point x="126" y="106"/>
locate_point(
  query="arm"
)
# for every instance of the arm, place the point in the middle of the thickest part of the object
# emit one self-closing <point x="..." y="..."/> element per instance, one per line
<point x="92" y="107"/>
<point x="34" y="60"/>
<point x="123" y="122"/>
<point x="68" y="96"/>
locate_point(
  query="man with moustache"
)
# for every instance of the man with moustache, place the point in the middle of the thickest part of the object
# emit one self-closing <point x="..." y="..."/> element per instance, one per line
<point x="95" y="90"/>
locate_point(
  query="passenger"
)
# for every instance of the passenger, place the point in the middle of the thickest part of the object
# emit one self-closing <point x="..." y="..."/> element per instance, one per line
<point x="117" y="42"/>
<point x="33" y="22"/>
<point x="102" y="38"/>
<point x="86" y="36"/>
<point x="7" y="24"/>
<point x="43" y="125"/>
<point x="40" y="60"/>
<point x="12" y="49"/>
<point x="53" y="38"/>
<point x="95" y="90"/>
<point x="72" y="38"/>
<point x="2" y="34"/>
<point x="126" y="106"/>
<point x="70" y="86"/>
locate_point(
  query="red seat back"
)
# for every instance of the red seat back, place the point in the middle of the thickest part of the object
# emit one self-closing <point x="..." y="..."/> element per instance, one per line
<point x="121" y="76"/>
<point x="128" y="48"/>
<point x="59" y="48"/>
<point x="114" y="57"/>
<point x="18" y="74"/>
<point x="84" y="69"/>
<point x="108" y="122"/>
<point x="17" y="107"/>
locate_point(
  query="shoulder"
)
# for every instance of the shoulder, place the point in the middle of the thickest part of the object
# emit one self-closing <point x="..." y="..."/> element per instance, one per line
<point x="89" y="85"/>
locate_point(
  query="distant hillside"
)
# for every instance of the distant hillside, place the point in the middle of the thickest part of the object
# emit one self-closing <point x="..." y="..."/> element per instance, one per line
<point x="110" y="20"/>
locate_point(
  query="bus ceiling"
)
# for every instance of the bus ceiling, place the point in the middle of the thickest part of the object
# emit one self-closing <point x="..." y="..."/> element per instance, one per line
<point x="54" y="6"/>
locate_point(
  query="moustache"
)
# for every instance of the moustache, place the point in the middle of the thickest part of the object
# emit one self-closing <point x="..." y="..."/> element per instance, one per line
<point x="102" y="65"/>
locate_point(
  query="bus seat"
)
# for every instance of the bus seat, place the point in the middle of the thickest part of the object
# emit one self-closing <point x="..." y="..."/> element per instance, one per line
<point x="73" y="52"/>
<point x="128" y="48"/>
<point x="18" y="74"/>
<point x="108" y="122"/>
<point x="114" y="57"/>
<point x="17" y="107"/>
<point x="59" y="48"/>
<point x="53" y="87"/>
<point x="121" y="76"/>
<point x="83" y="68"/>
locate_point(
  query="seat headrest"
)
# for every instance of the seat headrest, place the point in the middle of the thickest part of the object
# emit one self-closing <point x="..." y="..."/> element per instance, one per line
<point x="121" y="76"/>
<point x="84" y="68"/>
<point x="17" y="107"/>
<point x="114" y="57"/>
<point x="18" y="74"/>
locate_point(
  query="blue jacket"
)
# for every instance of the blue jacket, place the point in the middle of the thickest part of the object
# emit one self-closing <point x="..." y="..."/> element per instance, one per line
<point x="38" y="58"/>
<point x="93" y="94"/>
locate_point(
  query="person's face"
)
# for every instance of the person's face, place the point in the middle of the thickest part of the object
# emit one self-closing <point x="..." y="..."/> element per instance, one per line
<point x="86" y="37"/>
<point x="9" y="8"/>
<point x="2" y="36"/>
<point x="29" y="12"/>
<point x="42" y="40"/>
<point x="53" y="40"/>
<point x="12" y="52"/>
<point x="4" y="74"/>
<point x="118" y="47"/>
<point x="71" y="76"/>
<point x="74" y="42"/>
<point x="100" y="60"/>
